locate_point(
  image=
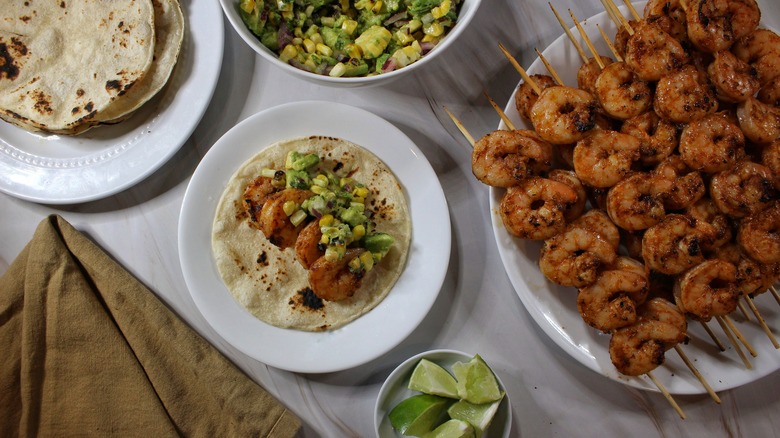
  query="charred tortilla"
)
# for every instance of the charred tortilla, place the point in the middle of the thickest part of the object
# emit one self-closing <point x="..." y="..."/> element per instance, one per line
<point x="270" y="282"/>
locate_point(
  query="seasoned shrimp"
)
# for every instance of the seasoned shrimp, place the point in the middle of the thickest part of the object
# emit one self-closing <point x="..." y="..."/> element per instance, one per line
<point x="708" y="289"/>
<point x="760" y="49"/>
<point x="333" y="280"/>
<point x="752" y="277"/>
<point x="575" y="257"/>
<point x="503" y="158"/>
<point x="770" y="157"/>
<point x="743" y="190"/>
<point x="640" y="347"/>
<point x="734" y="80"/>
<point x="770" y="92"/>
<point x="636" y="203"/>
<point x="669" y="15"/>
<point x="603" y="158"/>
<point x="596" y="221"/>
<point x="759" y="235"/>
<point x="255" y="195"/>
<point x="610" y="302"/>
<point x="686" y="185"/>
<point x="715" y="25"/>
<point x="569" y="178"/>
<point x="760" y="122"/>
<point x="707" y="213"/>
<point x="675" y="244"/>
<point x="589" y="72"/>
<point x="535" y="208"/>
<point x="658" y="138"/>
<point x="621" y="38"/>
<point x="711" y="144"/>
<point x="563" y="115"/>
<point x="525" y="97"/>
<point x="681" y="96"/>
<point x="308" y="247"/>
<point x="621" y="94"/>
<point x="274" y="222"/>
<point x="652" y="53"/>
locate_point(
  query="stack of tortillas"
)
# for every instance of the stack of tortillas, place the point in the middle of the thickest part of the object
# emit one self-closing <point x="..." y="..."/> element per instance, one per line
<point x="69" y="65"/>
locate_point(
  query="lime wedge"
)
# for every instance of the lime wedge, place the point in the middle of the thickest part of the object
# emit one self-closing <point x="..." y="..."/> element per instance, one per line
<point x="418" y="414"/>
<point x="476" y="382"/>
<point x="452" y="429"/>
<point x="478" y="416"/>
<point x="431" y="378"/>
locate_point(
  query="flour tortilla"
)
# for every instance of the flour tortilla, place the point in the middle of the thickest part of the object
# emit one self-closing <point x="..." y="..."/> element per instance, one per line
<point x="266" y="280"/>
<point x="62" y="62"/>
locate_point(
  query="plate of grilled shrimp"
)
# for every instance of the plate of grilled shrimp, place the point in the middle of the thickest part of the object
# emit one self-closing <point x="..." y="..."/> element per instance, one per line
<point x="634" y="189"/>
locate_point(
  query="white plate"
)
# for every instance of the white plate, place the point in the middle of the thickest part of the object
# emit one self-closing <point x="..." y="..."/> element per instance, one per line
<point x="554" y="308"/>
<point x="395" y="389"/>
<point x="56" y="169"/>
<point x="374" y="333"/>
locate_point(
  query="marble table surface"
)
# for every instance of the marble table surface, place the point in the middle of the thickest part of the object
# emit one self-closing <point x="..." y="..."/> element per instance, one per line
<point x="477" y="309"/>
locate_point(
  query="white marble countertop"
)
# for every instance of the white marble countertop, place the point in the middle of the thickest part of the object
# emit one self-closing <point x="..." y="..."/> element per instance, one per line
<point x="477" y="309"/>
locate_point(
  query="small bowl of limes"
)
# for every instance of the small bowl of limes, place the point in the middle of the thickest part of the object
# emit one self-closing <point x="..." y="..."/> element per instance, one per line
<point x="443" y="394"/>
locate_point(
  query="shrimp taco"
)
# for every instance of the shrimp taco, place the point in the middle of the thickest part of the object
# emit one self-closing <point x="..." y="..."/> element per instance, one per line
<point x="311" y="233"/>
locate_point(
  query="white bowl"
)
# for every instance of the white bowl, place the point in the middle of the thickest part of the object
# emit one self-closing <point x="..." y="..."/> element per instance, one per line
<point x="468" y="9"/>
<point x="395" y="389"/>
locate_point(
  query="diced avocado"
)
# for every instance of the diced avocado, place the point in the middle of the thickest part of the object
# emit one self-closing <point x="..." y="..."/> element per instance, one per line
<point x="356" y="69"/>
<point x="336" y="39"/>
<point x="378" y="242"/>
<point x="251" y="12"/>
<point x="353" y="216"/>
<point x="298" y="179"/>
<point x="298" y="161"/>
<point x="422" y="7"/>
<point x="380" y="62"/>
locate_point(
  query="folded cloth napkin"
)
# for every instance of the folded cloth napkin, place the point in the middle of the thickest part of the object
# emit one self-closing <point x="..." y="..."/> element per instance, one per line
<point x="86" y="349"/>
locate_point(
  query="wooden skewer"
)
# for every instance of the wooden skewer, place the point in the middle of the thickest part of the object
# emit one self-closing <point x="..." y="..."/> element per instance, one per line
<point x="588" y="42"/>
<point x="734" y="342"/>
<point x="611" y="46"/>
<point x="501" y="113"/>
<point x="611" y="14"/>
<point x="741" y="338"/>
<point x="742" y="309"/>
<point x="775" y="294"/>
<point x="574" y="41"/>
<point x="520" y="69"/>
<point x="460" y="126"/>
<point x="762" y="322"/>
<point x="633" y="10"/>
<point x="714" y="338"/>
<point x="549" y="67"/>
<point x="696" y="373"/>
<point x="666" y="394"/>
<point x="623" y="22"/>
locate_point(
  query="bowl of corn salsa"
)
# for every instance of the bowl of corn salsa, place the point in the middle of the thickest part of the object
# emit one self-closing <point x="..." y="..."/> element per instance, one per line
<point x="349" y="42"/>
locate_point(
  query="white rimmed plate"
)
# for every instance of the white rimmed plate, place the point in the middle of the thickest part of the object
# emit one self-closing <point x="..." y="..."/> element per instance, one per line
<point x="58" y="169"/>
<point x="395" y="389"/>
<point x="374" y="333"/>
<point x="554" y="308"/>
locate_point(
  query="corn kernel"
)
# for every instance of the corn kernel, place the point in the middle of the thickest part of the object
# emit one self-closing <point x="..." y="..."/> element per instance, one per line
<point x="326" y="220"/>
<point x="441" y="10"/>
<point x="344" y="5"/>
<point x="289" y="52"/>
<point x="298" y="217"/>
<point x="320" y="180"/>
<point x="317" y="38"/>
<point x="358" y="232"/>
<point x="289" y="207"/>
<point x="288" y="15"/>
<point x="367" y="260"/>
<point x="378" y="6"/>
<point x="355" y="265"/>
<point x="324" y="240"/>
<point x="331" y="254"/>
<point x="349" y="26"/>
<point x="298" y="41"/>
<point x="324" y="50"/>
<point x="248" y="6"/>
<point x="403" y="36"/>
<point x="318" y="190"/>
<point x="309" y="45"/>
<point x="434" y="29"/>
<point x="338" y="70"/>
<point x="353" y="51"/>
<point x="360" y="192"/>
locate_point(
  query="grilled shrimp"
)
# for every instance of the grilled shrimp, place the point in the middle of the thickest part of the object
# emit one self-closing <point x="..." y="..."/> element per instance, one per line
<point x="652" y="53"/>
<point x="621" y="94"/>
<point x="770" y="157"/>
<point x="658" y="138"/>
<point x="759" y="235"/>
<point x="589" y="72"/>
<point x="734" y="80"/>
<point x="255" y="195"/>
<point x="603" y="158"/>
<point x="333" y="280"/>
<point x="621" y="38"/>
<point x="575" y="257"/>
<point x="743" y="190"/>
<point x="610" y="302"/>
<point x="708" y="289"/>
<point x="569" y="178"/>
<point x="675" y="244"/>
<point x="760" y="122"/>
<point x="535" y="208"/>
<point x="669" y="15"/>
<point x="596" y="221"/>
<point x="760" y="49"/>
<point x="682" y="97"/>
<point x="770" y="92"/>
<point x="563" y="115"/>
<point x="711" y="144"/>
<point x="752" y="277"/>
<point x="503" y="158"/>
<point x="640" y="347"/>
<point x="715" y="25"/>
<point x="636" y="203"/>
<point x="707" y="213"/>
<point x="526" y="97"/>
<point x="308" y="247"/>
<point x="686" y="185"/>
<point x="274" y="222"/>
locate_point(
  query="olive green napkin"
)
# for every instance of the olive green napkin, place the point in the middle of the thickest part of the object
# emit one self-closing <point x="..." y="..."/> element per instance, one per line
<point x="86" y="349"/>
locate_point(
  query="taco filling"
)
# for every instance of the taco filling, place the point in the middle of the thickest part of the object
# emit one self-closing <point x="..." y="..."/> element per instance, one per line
<point x="311" y="233"/>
